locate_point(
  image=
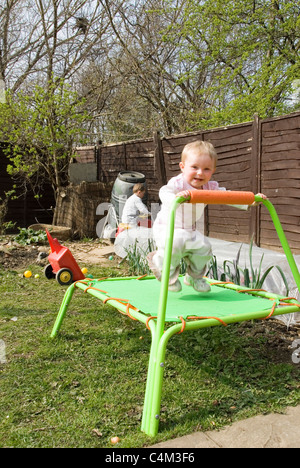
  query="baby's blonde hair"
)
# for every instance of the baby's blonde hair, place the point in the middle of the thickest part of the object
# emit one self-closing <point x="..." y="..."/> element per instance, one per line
<point x="139" y="187"/>
<point x="201" y="147"/>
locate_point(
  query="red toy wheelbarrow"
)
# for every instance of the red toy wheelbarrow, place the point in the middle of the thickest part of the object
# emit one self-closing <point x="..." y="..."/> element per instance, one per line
<point x="62" y="265"/>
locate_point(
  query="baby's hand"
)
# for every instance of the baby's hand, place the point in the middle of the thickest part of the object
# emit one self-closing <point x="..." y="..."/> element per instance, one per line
<point x="262" y="196"/>
<point x="185" y="194"/>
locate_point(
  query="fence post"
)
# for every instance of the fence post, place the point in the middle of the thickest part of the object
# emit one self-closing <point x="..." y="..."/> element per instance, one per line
<point x="99" y="161"/>
<point x="125" y="156"/>
<point x="159" y="160"/>
<point x="254" y="224"/>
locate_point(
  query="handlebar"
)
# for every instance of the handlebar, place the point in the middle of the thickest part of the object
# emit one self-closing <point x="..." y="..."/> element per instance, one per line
<point x="214" y="197"/>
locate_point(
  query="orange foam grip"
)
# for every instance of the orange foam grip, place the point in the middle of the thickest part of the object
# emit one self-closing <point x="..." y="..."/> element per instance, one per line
<point x="223" y="197"/>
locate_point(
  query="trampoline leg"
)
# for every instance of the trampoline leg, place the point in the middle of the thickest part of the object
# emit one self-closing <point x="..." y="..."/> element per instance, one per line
<point x="62" y="311"/>
<point x="148" y="392"/>
<point x="152" y="403"/>
<point x="156" y="396"/>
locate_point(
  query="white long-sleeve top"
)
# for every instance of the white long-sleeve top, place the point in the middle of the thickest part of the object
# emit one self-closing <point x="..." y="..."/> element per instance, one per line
<point x="132" y="209"/>
<point x="187" y="214"/>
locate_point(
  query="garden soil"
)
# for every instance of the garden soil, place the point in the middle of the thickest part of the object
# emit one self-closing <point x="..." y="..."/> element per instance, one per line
<point x="14" y="256"/>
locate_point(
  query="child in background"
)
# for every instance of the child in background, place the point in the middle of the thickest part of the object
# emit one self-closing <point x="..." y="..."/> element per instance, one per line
<point x="134" y="206"/>
<point x="198" y="164"/>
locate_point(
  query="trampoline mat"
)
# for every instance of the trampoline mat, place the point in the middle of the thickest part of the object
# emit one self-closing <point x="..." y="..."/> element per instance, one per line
<point x="220" y="302"/>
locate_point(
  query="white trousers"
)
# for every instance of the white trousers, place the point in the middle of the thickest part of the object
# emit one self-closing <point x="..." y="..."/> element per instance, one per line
<point x="192" y="246"/>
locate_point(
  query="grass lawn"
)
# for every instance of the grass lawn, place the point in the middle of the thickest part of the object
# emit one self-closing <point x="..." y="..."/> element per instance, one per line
<point x="88" y="384"/>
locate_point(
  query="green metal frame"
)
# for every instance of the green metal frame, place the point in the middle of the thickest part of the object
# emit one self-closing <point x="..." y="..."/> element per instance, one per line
<point x="160" y="336"/>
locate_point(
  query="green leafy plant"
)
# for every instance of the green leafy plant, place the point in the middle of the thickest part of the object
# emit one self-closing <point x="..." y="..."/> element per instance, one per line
<point x="41" y="129"/>
<point x="137" y="258"/>
<point x="253" y="278"/>
<point x="29" y="236"/>
<point x="258" y="277"/>
<point x="231" y="270"/>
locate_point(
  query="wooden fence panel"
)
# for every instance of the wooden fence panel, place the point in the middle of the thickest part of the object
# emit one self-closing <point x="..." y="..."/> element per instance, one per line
<point x="138" y="156"/>
<point x="85" y="154"/>
<point x="234" y="148"/>
<point x="280" y="179"/>
<point x="172" y="149"/>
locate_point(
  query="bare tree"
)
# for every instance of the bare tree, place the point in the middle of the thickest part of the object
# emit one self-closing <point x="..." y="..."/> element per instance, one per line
<point x="40" y="39"/>
<point x="150" y="63"/>
<point x="125" y="56"/>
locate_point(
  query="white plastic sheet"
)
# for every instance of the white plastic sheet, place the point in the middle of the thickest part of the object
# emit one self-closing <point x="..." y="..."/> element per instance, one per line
<point x="228" y="251"/>
<point x="139" y="236"/>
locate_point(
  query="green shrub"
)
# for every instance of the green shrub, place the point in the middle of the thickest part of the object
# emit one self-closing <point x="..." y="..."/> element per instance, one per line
<point x="29" y="236"/>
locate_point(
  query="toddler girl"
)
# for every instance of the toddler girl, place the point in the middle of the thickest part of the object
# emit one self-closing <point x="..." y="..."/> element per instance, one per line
<point x="198" y="164"/>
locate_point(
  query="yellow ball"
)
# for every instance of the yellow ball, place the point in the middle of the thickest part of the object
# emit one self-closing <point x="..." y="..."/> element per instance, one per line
<point x="28" y="274"/>
<point x="115" y="440"/>
<point x="84" y="271"/>
<point x="36" y="276"/>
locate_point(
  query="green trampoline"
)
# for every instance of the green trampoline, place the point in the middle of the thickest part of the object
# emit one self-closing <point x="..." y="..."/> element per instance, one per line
<point x="166" y="314"/>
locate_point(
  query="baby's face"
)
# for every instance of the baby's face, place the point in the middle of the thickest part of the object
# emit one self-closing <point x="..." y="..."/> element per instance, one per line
<point x="140" y="194"/>
<point x="197" y="169"/>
